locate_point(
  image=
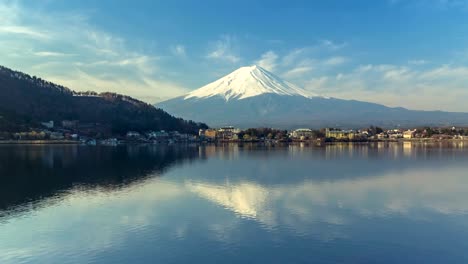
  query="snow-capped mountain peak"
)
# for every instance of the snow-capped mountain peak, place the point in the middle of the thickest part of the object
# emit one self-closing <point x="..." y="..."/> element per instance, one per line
<point x="247" y="82"/>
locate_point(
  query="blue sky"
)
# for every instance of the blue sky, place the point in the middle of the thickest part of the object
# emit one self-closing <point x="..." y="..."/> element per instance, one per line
<point x="410" y="53"/>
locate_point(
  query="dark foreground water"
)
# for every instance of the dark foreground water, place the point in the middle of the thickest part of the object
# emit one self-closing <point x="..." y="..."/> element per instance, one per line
<point x="397" y="203"/>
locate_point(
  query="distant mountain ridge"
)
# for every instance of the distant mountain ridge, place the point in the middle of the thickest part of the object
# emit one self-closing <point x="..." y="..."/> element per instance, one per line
<point x="252" y="97"/>
<point x="27" y="100"/>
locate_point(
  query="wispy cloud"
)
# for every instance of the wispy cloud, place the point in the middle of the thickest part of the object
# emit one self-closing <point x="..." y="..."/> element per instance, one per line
<point x="223" y="50"/>
<point x="72" y="52"/>
<point x="268" y="60"/>
<point x="334" y="61"/>
<point x="300" y="62"/>
<point x="439" y="87"/>
<point x="298" y="71"/>
<point x="418" y="62"/>
<point x="292" y="56"/>
<point x="11" y="23"/>
<point x="25" y="31"/>
<point x="52" y="54"/>
<point x="416" y="84"/>
<point x="332" y="45"/>
<point x="178" y="50"/>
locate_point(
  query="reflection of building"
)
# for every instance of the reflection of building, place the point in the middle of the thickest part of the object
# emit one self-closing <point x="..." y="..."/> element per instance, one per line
<point x="207" y="151"/>
<point x="302" y="133"/>
<point x="408" y="148"/>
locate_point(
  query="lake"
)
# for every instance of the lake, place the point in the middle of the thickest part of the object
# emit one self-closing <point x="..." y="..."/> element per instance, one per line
<point x="344" y="203"/>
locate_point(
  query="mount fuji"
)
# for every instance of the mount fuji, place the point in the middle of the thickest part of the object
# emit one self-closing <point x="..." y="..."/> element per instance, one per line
<point x="254" y="97"/>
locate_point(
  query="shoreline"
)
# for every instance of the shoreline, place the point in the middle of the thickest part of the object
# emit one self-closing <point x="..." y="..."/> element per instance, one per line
<point x="74" y="142"/>
<point x="39" y="142"/>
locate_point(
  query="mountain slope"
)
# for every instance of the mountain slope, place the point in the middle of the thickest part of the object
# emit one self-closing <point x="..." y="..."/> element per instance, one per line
<point x="252" y="97"/>
<point x="248" y="82"/>
<point x="26" y="101"/>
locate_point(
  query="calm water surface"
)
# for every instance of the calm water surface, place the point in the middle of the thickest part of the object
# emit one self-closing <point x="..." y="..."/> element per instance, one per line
<point x="397" y="203"/>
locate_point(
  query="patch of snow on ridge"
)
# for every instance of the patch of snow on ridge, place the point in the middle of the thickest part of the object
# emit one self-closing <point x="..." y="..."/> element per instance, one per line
<point x="247" y="82"/>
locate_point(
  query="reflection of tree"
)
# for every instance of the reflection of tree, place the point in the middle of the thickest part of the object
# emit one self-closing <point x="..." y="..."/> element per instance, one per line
<point x="278" y="164"/>
<point x="32" y="173"/>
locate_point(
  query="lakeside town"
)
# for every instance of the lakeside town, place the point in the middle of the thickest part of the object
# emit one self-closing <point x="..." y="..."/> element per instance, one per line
<point x="73" y="132"/>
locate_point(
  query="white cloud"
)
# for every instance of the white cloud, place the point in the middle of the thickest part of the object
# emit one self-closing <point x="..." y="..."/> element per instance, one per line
<point x="332" y="45"/>
<point x="11" y="24"/>
<point x="334" y="61"/>
<point x="298" y="71"/>
<point x="447" y="73"/>
<point x="417" y="62"/>
<point x="293" y="56"/>
<point x="317" y="83"/>
<point x="52" y="54"/>
<point x="143" y="88"/>
<point x="72" y="52"/>
<point x="223" y="50"/>
<point x="299" y="63"/>
<point x="26" y="31"/>
<point x="268" y="60"/>
<point x="438" y="88"/>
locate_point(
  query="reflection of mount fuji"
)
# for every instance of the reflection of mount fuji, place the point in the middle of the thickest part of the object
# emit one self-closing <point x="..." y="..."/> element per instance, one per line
<point x="245" y="199"/>
<point x="340" y="201"/>
<point x="30" y="174"/>
<point x="254" y="97"/>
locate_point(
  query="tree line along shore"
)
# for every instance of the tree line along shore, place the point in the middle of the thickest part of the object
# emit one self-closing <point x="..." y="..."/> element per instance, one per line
<point x="64" y="134"/>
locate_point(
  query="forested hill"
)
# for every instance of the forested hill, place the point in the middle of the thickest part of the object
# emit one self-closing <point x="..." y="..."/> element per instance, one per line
<point x="27" y="100"/>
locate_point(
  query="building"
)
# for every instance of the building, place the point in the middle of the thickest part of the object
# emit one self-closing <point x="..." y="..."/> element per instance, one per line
<point x="395" y="135"/>
<point x="341" y="134"/>
<point x="56" y="136"/>
<point x="70" y="124"/>
<point x="226" y="132"/>
<point x="210" y="133"/>
<point x="201" y="132"/>
<point x="382" y="135"/>
<point x="159" y="135"/>
<point x="227" y="129"/>
<point x="409" y="134"/>
<point x="302" y="133"/>
<point x="48" y="125"/>
<point x="133" y="134"/>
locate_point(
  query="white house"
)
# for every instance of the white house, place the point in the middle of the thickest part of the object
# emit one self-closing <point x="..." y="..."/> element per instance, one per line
<point x="302" y="133"/>
<point x="409" y="134"/>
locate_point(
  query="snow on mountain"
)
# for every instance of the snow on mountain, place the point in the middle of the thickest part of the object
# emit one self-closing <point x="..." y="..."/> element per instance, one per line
<point x="248" y="82"/>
